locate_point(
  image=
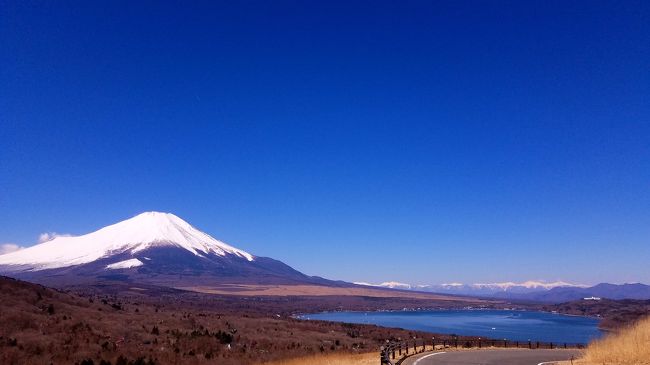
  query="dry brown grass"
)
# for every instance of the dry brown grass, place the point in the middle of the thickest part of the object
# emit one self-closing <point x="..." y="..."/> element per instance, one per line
<point x="319" y="290"/>
<point x="332" y="359"/>
<point x="630" y="346"/>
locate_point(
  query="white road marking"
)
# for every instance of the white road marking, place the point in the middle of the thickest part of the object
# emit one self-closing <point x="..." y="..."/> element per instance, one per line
<point x="424" y="357"/>
<point x="548" y="362"/>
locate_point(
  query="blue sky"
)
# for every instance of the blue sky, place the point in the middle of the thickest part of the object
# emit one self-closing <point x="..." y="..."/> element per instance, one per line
<point x="423" y="142"/>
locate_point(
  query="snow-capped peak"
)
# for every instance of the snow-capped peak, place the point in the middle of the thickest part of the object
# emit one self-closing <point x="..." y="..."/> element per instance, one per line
<point x="479" y="288"/>
<point x="530" y="284"/>
<point x="146" y="230"/>
<point x="387" y="284"/>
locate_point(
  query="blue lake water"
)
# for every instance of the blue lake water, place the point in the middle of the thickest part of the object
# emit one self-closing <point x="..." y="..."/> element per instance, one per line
<point x="496" y="324"/>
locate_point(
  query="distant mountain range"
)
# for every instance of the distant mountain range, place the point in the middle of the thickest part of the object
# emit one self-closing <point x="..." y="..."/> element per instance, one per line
<point x="162" y="249"/>
<point x="477" y="289"/>
<point x="602" y="290"/>
<point x="537" y="291"/>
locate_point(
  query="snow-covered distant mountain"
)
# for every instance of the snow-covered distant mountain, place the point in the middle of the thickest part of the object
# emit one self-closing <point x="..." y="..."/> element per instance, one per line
<point x="480" y="289"/>
<point x="151" y="247"/>
<point x="387" y="284"/>
<point x="493" y="288"/>
<point x="534" y="291"/>
<point x="527" y="285"/>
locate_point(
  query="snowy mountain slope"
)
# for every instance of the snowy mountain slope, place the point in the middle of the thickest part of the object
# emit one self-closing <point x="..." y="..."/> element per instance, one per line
<point x="126" y="264"/>
<point x="481" y="289"/>
<point x="144" y="231"/>
<point x="523" y="287"/>
<point x="531" y="284"/>
<point x="153" y="248"/>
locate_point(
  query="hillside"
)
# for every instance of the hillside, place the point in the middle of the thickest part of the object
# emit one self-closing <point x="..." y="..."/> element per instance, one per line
<point x="635" y="291"/>
<point x="144" y="324"/>
<point x="628" y="347"/>
<point x="615" y="314"/>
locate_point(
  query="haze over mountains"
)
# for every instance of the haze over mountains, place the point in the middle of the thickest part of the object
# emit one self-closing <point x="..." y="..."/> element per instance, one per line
<point x="538" y="291"/>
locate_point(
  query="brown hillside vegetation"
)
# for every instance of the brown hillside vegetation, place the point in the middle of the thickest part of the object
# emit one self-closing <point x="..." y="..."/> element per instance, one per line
<point x="319" y="290"/>
<point x="615" y="314"/>
<point x="43" y="326"/>
<point x="630" y="346"/>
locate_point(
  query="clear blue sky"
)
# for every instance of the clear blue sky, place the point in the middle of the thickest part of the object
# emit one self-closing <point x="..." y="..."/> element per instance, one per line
<point x="422" y="142"/>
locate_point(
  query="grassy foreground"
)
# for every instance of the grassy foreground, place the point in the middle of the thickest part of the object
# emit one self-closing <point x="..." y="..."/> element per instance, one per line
<point x="371" y="358"/>
<point x="630" y="346"/>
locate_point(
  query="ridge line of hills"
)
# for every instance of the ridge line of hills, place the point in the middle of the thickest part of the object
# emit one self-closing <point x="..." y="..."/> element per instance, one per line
<point x="558" y="292"/>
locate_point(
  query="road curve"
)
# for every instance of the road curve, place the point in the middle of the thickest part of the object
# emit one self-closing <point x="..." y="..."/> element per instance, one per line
<point x="493" y="357"/>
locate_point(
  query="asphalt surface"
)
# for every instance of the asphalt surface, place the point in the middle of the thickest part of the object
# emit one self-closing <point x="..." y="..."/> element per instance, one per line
<point x="492" y="357"/>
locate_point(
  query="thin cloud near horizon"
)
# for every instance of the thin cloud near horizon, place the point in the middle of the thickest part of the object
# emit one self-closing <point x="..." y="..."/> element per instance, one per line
<point x="6" y="248"/>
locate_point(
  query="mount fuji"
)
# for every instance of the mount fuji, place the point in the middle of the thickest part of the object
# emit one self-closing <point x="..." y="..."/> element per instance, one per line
<point x="154" y="248"/>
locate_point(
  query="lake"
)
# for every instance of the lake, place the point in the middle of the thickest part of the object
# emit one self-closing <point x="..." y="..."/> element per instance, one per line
<point x="496" y="324"/>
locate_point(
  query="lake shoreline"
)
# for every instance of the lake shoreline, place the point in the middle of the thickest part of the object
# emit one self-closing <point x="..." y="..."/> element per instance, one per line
<point x="453" y="309"/>
<point x="512" y="323"/>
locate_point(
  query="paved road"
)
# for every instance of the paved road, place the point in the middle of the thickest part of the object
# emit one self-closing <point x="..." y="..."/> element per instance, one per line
<point x="492" y="357"/>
